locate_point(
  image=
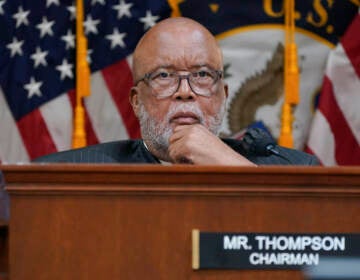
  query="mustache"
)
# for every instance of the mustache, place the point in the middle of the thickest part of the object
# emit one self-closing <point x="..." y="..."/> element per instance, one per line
<point x="185" y="108"/>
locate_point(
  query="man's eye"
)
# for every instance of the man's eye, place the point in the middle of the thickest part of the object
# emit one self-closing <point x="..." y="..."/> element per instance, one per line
<point x="161" y="75"/>
<point x="202" y="74"/>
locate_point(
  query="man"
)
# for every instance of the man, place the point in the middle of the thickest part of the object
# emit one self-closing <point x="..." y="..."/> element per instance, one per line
<point x="179" y="97"/>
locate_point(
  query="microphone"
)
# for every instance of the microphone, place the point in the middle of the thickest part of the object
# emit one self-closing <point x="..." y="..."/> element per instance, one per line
<point x="258" y="142"/>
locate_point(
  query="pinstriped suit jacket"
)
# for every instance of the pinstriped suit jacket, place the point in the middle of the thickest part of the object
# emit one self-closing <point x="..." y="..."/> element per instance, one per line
<point x="134" y="151"/>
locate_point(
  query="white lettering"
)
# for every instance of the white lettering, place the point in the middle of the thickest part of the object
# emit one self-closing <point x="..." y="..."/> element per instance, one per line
<point x="299" y="243"/>
<point x="297" y="259"/>
<point x="282" y="243"/>
<point x="229" y="245"/>
<point x="283" y="259"/>
<point x="313" y="259"/>
<point x="339" y="243"/>
<point x="254" y="258"/>
<point x="260" y="239"/>
<point x="327" y="243"/>
<point x="316" y="243"/>
<point x="270" y="243"/>
<point x="295" y="244"/>
<point x="237" y="242"/>
<point x="286" y="259"/>
<point x="306" y="241"/>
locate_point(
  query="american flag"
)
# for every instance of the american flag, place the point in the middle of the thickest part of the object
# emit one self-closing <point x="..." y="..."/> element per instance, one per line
<point x="335" y="132"/>
<point x="37" y="72"/>
<point x="37" y="61"/>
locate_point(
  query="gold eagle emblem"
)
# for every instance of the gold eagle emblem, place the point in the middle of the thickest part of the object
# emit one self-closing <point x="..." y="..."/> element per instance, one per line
<point x="264" y="88"/>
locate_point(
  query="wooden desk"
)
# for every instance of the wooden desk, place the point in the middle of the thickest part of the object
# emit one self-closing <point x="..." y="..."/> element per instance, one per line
<point x="135" y="222"/>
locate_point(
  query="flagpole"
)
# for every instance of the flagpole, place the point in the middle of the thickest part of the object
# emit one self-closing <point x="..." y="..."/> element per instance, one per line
<point x="175" y="10"/>
<point x="82" y="79"/>
<point x="291" y="77"/>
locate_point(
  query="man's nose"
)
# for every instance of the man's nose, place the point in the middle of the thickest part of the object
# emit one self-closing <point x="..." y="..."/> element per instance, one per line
<point x="184" y="91"/>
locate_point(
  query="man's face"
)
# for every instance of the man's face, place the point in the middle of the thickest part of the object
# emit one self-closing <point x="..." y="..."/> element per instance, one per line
<point x="157" y="130"/>
<point x="173" y="53"/>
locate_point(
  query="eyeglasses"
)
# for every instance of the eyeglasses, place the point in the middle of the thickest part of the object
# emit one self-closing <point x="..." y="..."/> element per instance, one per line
<point x="165" y="83"/>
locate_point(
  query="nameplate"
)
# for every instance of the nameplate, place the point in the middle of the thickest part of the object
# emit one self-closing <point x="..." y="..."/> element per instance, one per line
<point x="259" y="251"/>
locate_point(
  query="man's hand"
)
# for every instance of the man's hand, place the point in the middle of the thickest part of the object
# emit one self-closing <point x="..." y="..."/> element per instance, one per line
<point x="197" y="145"/>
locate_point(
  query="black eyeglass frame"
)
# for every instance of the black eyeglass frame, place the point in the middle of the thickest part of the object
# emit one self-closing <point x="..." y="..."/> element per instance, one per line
<point x="146" y="79"/>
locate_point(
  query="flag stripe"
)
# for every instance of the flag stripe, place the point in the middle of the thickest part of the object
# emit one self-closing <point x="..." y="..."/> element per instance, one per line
<point x="346" y="88"/>
<point x="351" y="46"/>
<point x="11" y="144"/>
<point x="129" y="60"/>
<point x="59" y="122"/>
<point x="119" y="80"/>
<point x="91" y="137"/>
<point x="321" y="141"/>
<point x="102" y="110"/>
<point x="347" y="150"/>
<point x="33" y="129"/>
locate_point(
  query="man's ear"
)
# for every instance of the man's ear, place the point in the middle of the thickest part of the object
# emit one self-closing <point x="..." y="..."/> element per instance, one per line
<point x="134" y="101"/>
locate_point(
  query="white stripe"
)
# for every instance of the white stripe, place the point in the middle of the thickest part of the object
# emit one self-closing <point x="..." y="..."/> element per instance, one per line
<point x="57" y="115"/>
<point x="346" y="86"/>
<point x="12" y="148"/>
<point x="103" y="113"/>
<point x="129" y="60"/>
<point x="321" y="140"/>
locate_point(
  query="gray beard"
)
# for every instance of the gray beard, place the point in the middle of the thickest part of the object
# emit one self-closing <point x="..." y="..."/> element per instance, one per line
<point x="157" y="135"/>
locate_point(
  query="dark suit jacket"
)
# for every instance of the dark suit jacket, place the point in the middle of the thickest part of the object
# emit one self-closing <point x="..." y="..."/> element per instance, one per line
<point x="134" y="151"/>
<point x="4" y="200"/>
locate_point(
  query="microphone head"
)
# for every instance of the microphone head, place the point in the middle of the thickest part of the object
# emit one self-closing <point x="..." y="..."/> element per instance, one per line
<point x="256" y="141"/>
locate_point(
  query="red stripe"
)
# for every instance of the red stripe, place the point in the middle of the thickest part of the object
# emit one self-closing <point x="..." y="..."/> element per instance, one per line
<point x="91" y="138"/>
<point x="36" y="137"/>
<point x="118" y="78"/>
<point x="351" y="43"/>
<point x="347" y="150"/>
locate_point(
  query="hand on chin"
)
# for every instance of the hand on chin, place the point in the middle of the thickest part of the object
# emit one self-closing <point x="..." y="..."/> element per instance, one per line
<point x="193" y="143"/>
